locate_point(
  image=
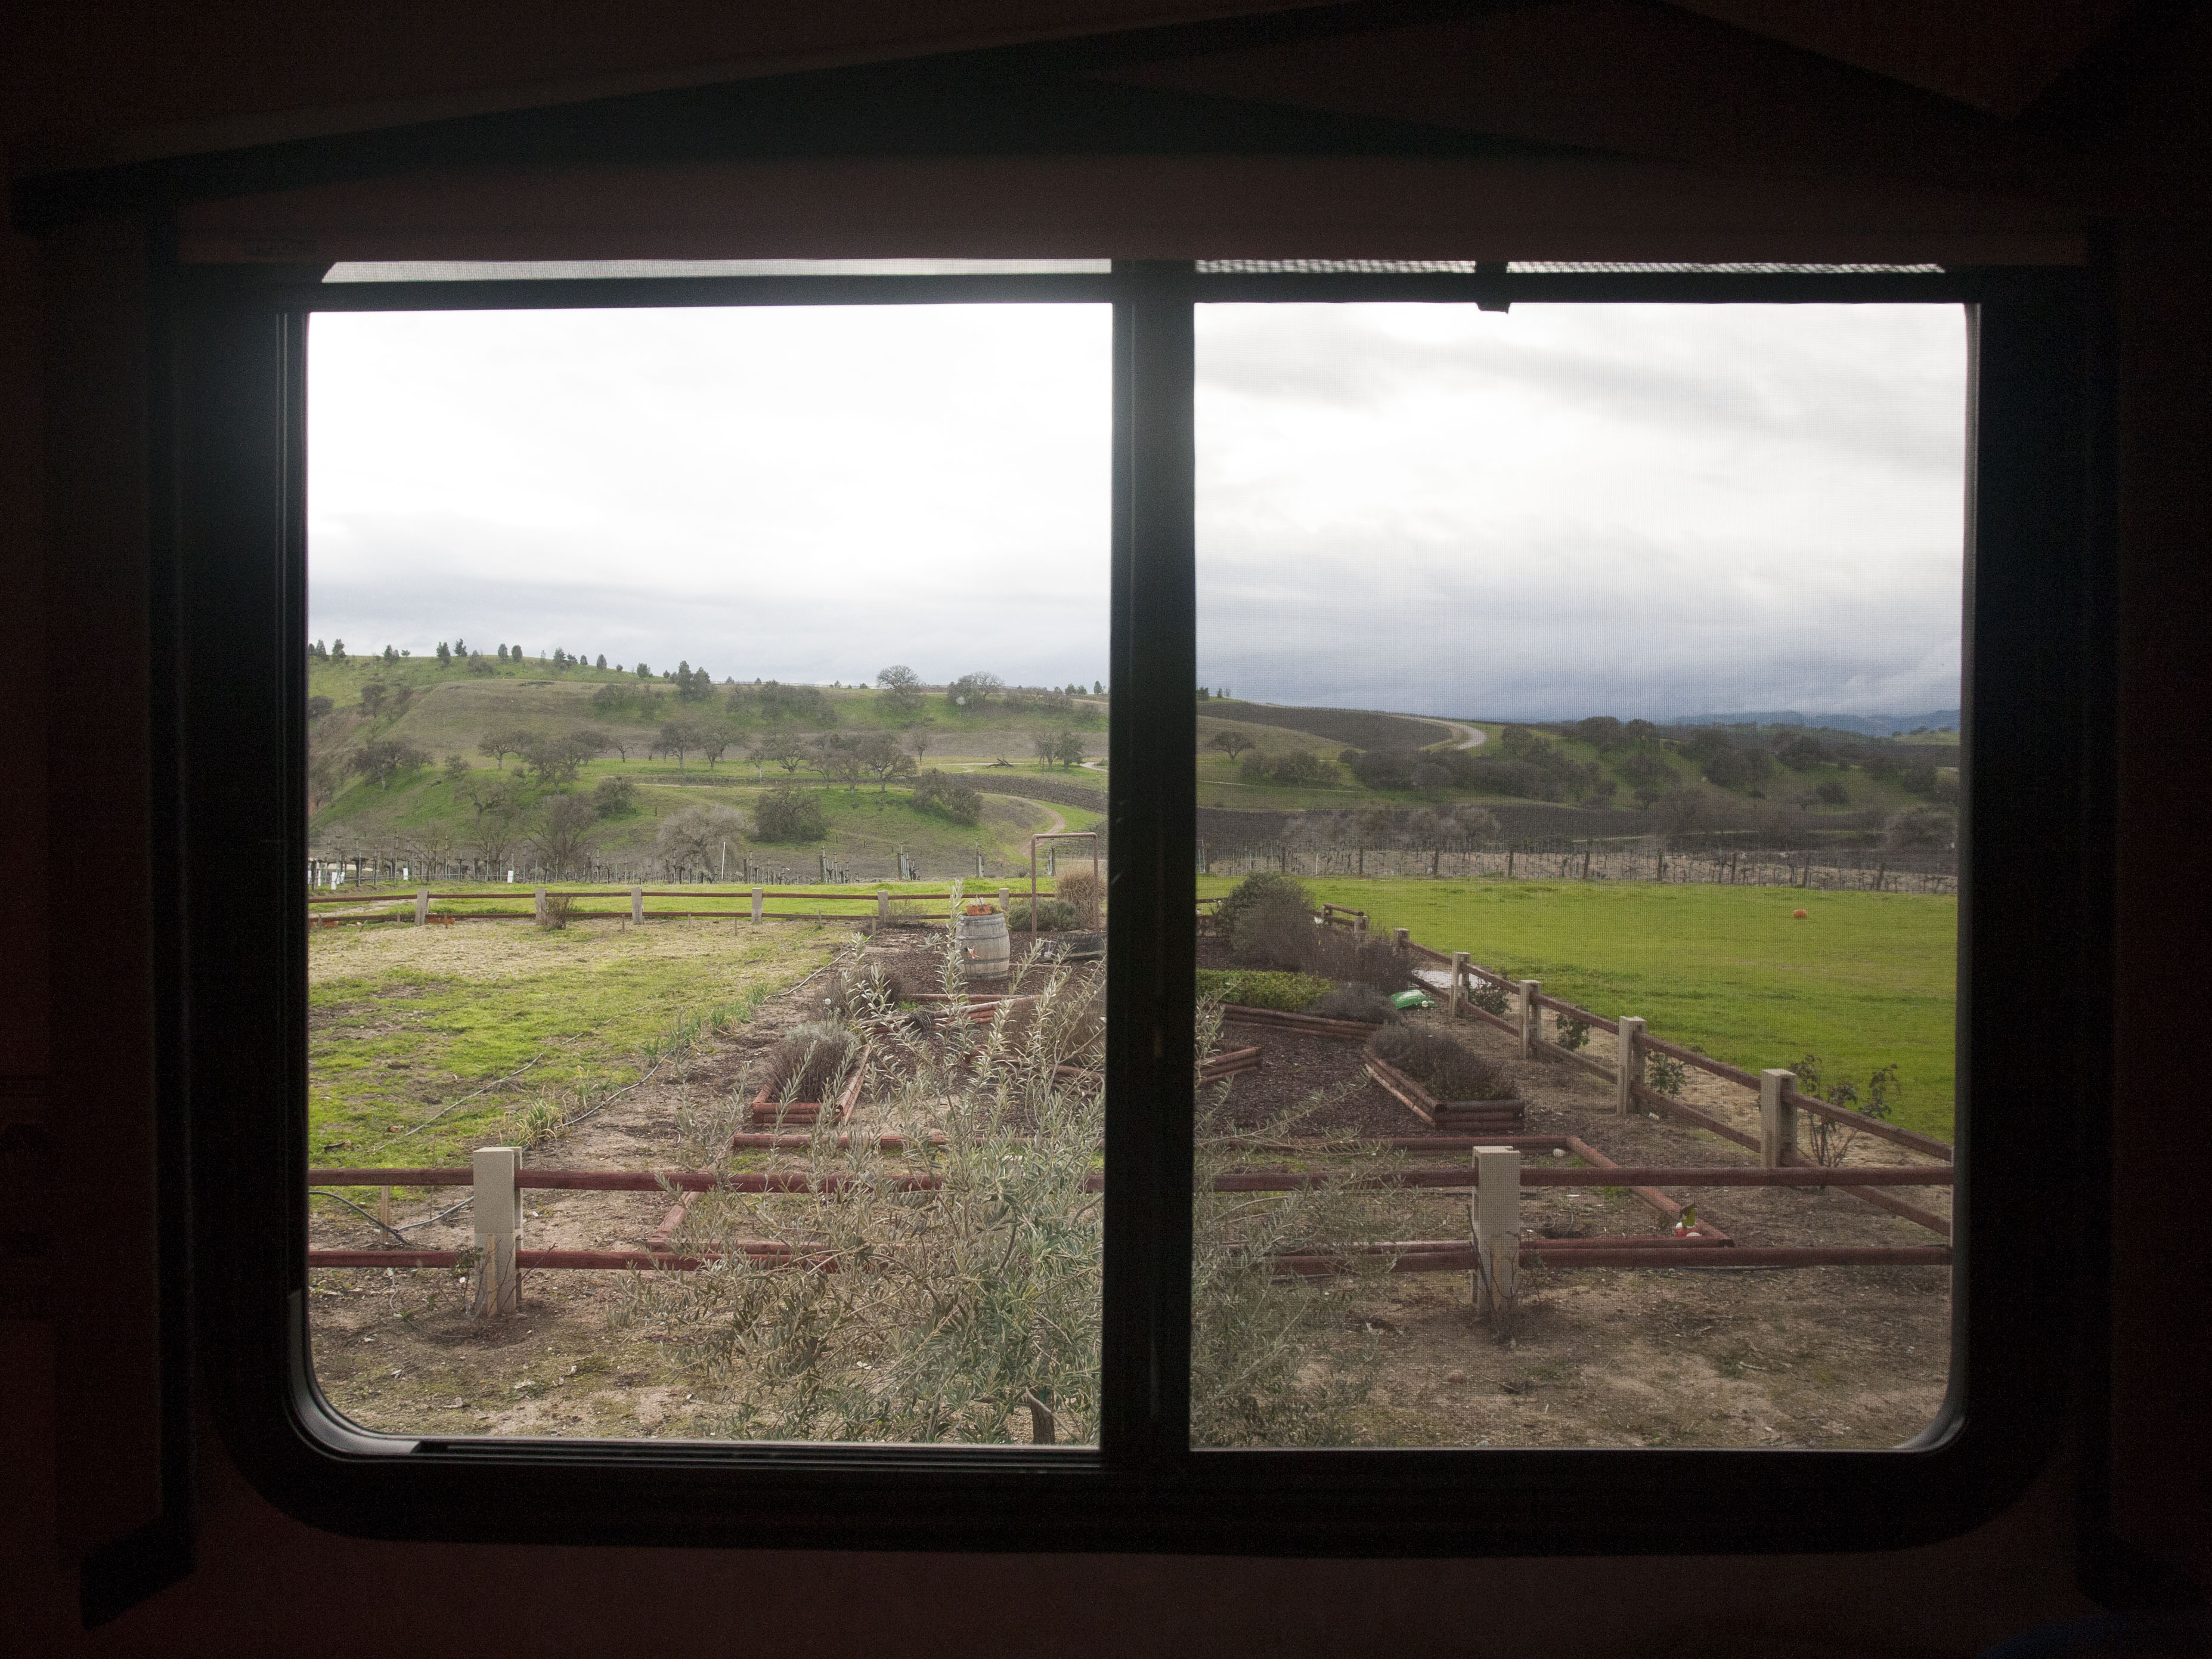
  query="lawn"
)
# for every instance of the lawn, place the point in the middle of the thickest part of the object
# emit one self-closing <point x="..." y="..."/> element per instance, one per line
<point x="1867" y="980"/>
<point x="405" y="1024"/>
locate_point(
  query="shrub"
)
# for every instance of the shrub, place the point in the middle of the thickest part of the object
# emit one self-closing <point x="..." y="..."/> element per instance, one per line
<point x="1083" y="891"/>
<point x="786" y="813"/>
<point x="1921" y="828"/>
<point x="614" y="798"/>
<point x="1256" y="889"/>
<point x="1490" y="997"/>
<point x="1832" y="793"/>
<point x="1440" y="1065"/>
<point x="1346" y="958"/>
<point x="559" y="906"/>
<point x="1278" y="934"/>
<point x="1666" y="1073"/>
<point x="318" y="707"/>
<point x="947" y="797"/>
<point x="857" y="994"/>
<point x="810" y="1061"/>
<point x="1054" y="916"/>
<point x="1360" y="1002"/>
<point x="1289" y="994"/>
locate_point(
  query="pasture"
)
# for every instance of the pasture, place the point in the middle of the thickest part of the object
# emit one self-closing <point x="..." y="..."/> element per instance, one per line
<point x="1867" y="980"/>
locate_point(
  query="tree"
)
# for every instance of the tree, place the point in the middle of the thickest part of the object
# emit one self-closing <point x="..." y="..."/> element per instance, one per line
<point x="678" y="738"/>
<point x="602" y="662"/>
<point x="782" y="748"/>
<point x="445" y="655"/>
<point x="1231" y="743"/>
<point x="715" y="741"/>
<point x="338" y="651"/>
<point x="372" y="697"/>
<point x="567" y="825"/>
<point x="457" y="771"/>
<point x="789" y="813"/>
<point x="556" y="760"/>
<point x="614" y="798"/>
<point x="512" y="740"/>
<point x="692" y="840"/>
<point x="879" y="755"/>
<point x="920" y="737"/>
<point x="319" y="707"/>
<point x="643" y="672"/>
<point x="319" y="652"/>
<point x="386" y="759"/>
<point x="902" y="690"/>
<point x="971" y="693"/>
<point x="837" y="759"/>
<point x="949" y="797"/>
<point x="1064" y="747"/>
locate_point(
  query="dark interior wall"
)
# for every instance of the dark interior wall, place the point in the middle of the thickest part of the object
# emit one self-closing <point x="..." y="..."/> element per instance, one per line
<point x="77" y="1020"/>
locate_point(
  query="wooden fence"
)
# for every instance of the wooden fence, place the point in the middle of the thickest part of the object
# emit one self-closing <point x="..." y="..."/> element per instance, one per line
<point x="1821" y="869"/>
<point x="881" y="908"/>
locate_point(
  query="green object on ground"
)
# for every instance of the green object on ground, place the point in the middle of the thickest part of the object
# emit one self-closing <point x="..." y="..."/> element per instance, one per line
<point x="1411" y="999"/>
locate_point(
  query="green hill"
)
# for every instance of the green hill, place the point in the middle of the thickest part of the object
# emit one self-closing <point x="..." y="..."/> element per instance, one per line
<point x="448" y="802"/>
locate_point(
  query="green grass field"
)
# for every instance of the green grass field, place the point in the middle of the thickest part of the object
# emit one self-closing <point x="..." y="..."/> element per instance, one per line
<point x="1868" y="979"/>
<point x="406" y="1021"/>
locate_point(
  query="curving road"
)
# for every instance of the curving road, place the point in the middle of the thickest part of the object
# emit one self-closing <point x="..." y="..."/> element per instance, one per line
<point x="1473" y="734"/>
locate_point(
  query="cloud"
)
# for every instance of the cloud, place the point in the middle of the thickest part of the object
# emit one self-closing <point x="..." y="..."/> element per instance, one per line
<point x="1562" y="510"/>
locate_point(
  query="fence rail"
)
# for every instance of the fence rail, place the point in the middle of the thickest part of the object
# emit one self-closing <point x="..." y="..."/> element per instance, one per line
<point x="1642" y="859"/>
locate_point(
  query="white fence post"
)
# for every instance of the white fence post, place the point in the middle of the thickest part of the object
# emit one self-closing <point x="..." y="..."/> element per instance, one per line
<point x="1401" y="939"/>
<point x="1458" y="978"/>
<point x="1778" y="1118"/>
<point x="757" y="904"/>
<point x="637" y="906"/>
<point x="1496" y="1210"/>
<point x="538" y="905"/>
<point x="498" y="1209"/>
<point x="883" y="908"/>
<point x="1532" y="1017"/>
<point x="1631" y="1063"/>
<point x="421" y="905"/>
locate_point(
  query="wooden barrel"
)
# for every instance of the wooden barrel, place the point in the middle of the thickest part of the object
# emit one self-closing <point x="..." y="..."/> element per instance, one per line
<point x="983" y="945"/>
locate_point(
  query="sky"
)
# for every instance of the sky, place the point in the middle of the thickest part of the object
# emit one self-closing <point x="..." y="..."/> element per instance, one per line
<point x="1550" y="513"/>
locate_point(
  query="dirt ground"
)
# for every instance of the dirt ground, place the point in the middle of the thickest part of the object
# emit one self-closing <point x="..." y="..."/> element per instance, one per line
<point x="1706" y="1356"/>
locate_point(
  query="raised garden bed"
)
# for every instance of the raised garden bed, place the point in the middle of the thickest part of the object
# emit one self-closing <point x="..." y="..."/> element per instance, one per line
<point x="1457" y="1117"/>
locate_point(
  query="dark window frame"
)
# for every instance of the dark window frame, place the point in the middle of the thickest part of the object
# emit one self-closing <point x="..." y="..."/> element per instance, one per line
<point x="2037" y="672"/>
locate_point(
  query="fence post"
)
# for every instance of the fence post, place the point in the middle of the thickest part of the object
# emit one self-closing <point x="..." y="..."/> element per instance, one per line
<point x="1005" y="909"/>
<point x="538" y="905"/>
<point x="1778" y="1118"/>
<point x="757" y="904"/>
<point x="1399" y="938"/>
<point x="498" y="1209"/>
<point x="1458" y="977"/>
<point x="882" y="908"/>
<point x="421" y="905"/>
<point x="1496" y="1209"/>
<point x="637" y="906"/>
<point x="1532" y="1017"/>
<point x="1631" y="1063"/>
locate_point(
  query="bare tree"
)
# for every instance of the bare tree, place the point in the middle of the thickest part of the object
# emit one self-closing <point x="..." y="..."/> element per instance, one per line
<point x="692" y="840"/>
<point x="781" y="747"/>
<point x="879" y="756"/>
<point x="556" y="760"/>
<point x="678" y="738"/>
<point x="920" y="737"/>
<point x="562" y="837"/>
<point x="715" y="741"/>
<point x="386" y="759"/>
<point x="1231" y="743"/>
<point x="512" y="740"/>
<point x="902" y="689"/>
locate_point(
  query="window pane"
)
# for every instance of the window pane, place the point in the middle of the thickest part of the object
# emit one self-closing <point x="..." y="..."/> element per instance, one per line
<point x="1563" y="669"/>
<point x="697" y="699"/>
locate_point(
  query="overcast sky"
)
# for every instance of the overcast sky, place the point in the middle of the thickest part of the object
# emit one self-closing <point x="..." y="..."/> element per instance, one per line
<point x="1555" y="512"/>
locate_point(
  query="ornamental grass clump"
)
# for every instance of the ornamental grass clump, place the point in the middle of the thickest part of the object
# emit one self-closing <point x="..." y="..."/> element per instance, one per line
<point x="946" y="1290"/>
<point x="1441" y="1066"/>
<point x="810" y="1061"/>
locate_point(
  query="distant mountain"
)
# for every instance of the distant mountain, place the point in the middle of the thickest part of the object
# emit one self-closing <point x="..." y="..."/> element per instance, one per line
<point x="1869" y="725"/>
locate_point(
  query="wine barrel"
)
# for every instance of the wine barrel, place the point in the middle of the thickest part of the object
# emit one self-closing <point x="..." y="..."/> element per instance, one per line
<point x="984" y="952"/>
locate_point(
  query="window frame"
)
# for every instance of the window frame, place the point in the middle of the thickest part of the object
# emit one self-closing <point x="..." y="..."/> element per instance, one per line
<point x="2036" y="689"/>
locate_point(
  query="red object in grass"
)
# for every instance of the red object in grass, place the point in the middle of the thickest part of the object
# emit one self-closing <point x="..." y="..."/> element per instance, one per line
<point x="1800" y="914"/>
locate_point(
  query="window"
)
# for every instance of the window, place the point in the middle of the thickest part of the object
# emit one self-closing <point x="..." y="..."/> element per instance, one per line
<point x="2032" y="703"/>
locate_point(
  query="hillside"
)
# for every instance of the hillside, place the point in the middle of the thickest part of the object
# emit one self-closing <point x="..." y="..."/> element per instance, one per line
<point x="452" y="798"/>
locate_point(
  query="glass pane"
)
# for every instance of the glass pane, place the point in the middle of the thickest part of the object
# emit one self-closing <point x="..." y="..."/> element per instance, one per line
<point x="1580" y="683"/>
<point x="698" y="697"/>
